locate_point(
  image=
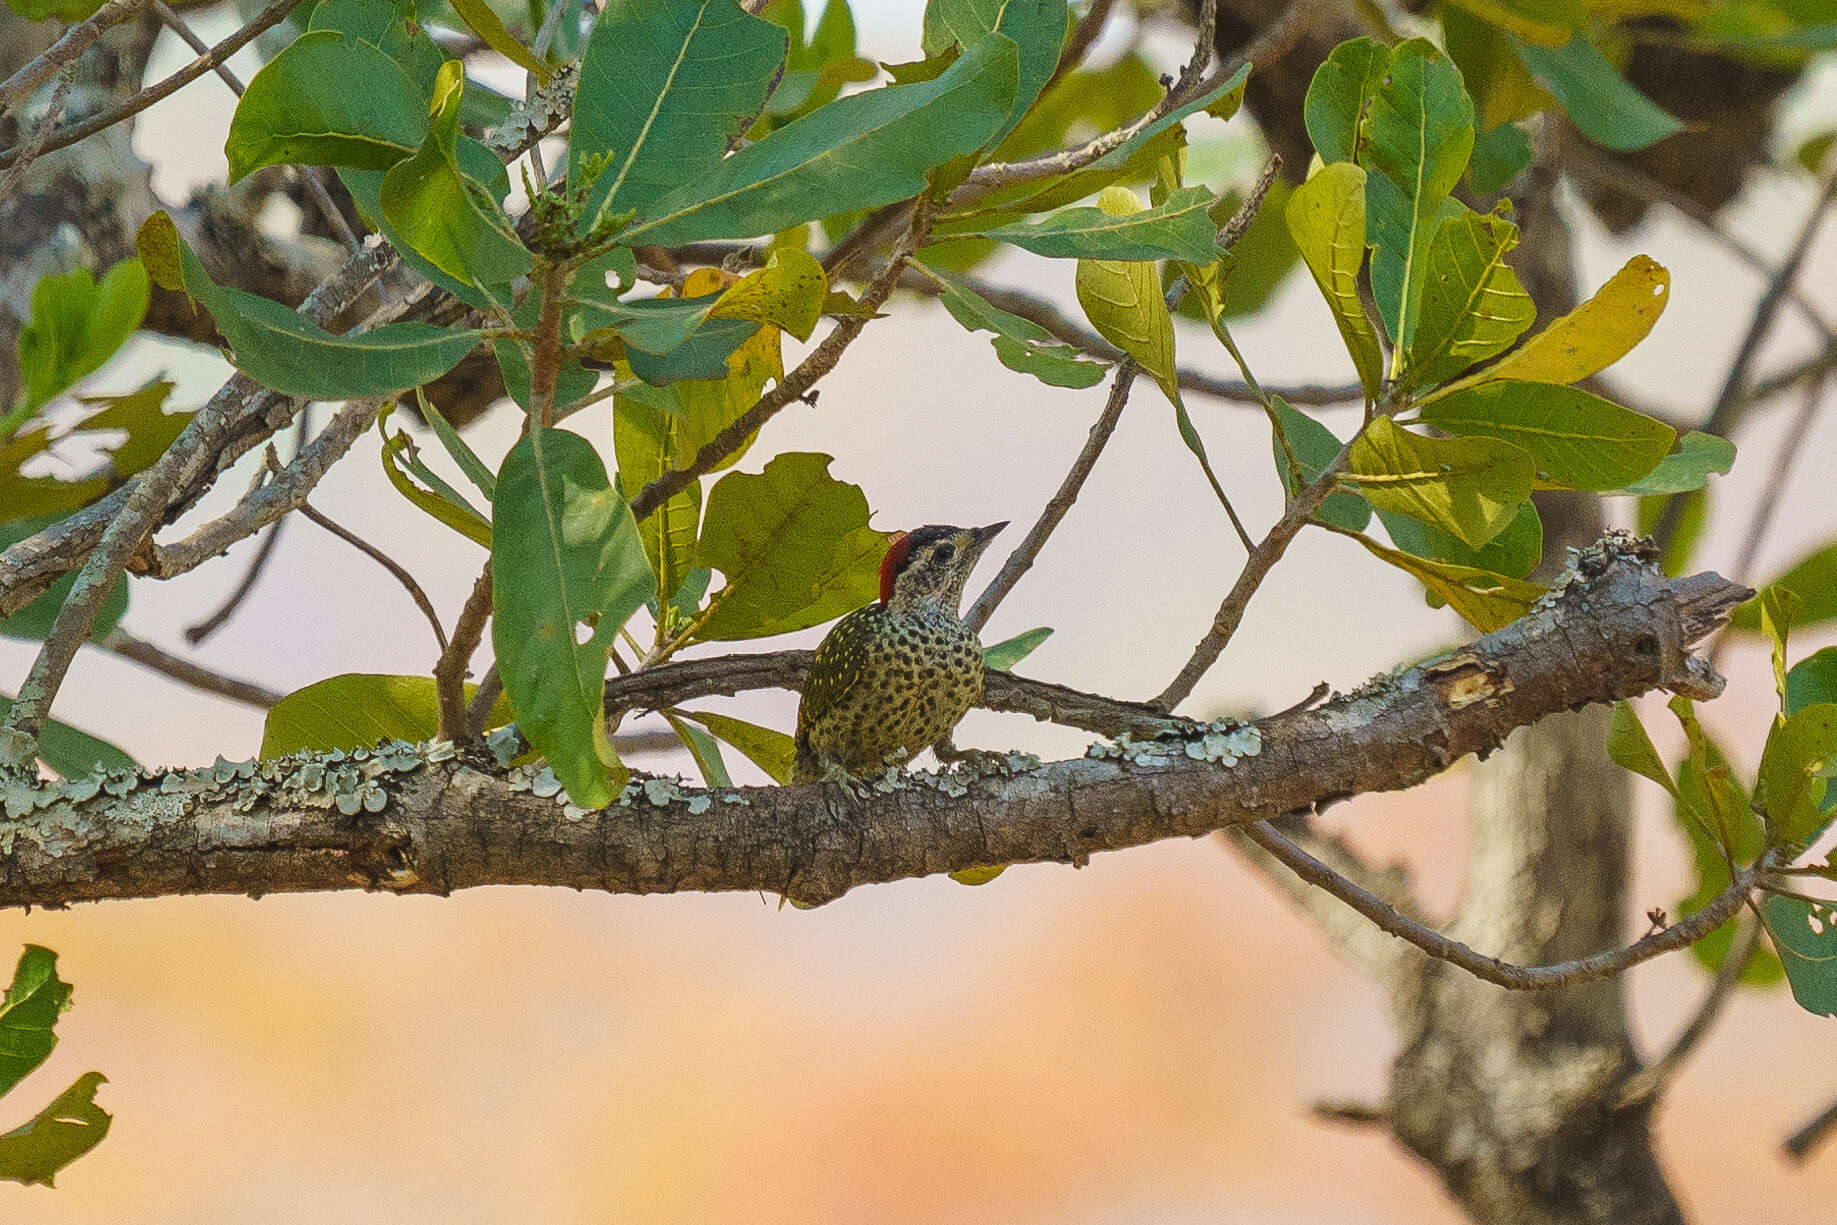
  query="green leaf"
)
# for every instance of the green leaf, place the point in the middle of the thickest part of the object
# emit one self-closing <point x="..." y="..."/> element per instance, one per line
<point x="1805" y="933"/>
<point x="1580" y="441"/>
<point x="490" y="28"/>
<point x="665" y="88"/>
<point x="324" y="101"/>
<point x="439" y="212"/>
<point x="1812" y="680"/>
<point x="1499" y="157"/>
<point x="1472" y="303"/>
<point x="1630" y="748"/>
<point x="1484" y="600"/>
<point x="457" y="447"/>
<point x="1124" y="302"/>
<point x="28" y="1015"/>
<point x="60" y="1133"/>
<point x="1021" y="344"/>
<point x="793" y="545"/>
<point x="1421" y="137"/>
<point x="1778" y="607"/>
<point x="77" y="325"/>
<point x="34" y="621"/>
<point x="64" y="10"/>
<point x="1722" y="828"/>
<point x="1514" y="552"/>
<point x="978" y="876"/>
<point x="1326" y="217"/>
<point x="1814" y="578"/>
<point x="1597" y="99"/>
<point x="1689" y="467"/>
<point x="1597" y="333"/>
<point x="812" y="168"/>
<point x="73" y="753"/>
<point x="357" y="710"/>
<point x="1038" y="28"/>
<point x="703" y="748"/>
<point x="1794" y="770"/>
<point x="1180" y="228"/>
<point x="140" y="416"/>
<point x="770" y="750"/>
<point x="403" y="466"/>
<point x="1005" y="654"/>
<point x="1337" y="109"/>
<point x="1315" y="447"/>
<point x="564" y="552"/>
<point x="644" y="436"/>
<point x="282" y="349"/>
<point x="1469" y="486"/>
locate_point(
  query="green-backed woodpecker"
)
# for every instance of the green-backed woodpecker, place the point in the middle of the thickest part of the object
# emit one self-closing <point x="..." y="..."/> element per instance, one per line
<point x="893" y="678"/>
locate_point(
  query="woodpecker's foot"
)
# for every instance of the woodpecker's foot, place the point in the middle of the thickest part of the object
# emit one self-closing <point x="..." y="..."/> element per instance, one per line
<point x="949" y="754"/>
<point x="834" y="773"/>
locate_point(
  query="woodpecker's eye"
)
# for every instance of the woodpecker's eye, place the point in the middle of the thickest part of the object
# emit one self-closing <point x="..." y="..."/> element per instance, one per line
<point x="945" y="552"/>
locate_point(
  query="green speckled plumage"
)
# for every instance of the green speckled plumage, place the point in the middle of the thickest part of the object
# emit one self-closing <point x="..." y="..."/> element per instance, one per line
<point x="893" y="678"/>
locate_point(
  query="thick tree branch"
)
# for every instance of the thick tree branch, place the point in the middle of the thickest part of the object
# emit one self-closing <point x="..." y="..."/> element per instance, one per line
<point x="421" y="819"/>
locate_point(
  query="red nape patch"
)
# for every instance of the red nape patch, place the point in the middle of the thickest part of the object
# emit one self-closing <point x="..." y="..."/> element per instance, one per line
<point x="893" y="563"/>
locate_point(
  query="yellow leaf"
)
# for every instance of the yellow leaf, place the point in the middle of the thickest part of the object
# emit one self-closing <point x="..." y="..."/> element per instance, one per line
<point x="1123" y="301"/>
<point x="1487" y="601"/>
<point x="1326" y="217"/>
<point x="1597" y="333"/>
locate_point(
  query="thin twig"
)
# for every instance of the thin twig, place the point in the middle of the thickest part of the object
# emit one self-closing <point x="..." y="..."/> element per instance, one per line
<point x="1084" y="36"/>
<point x="450" y="672"/>
<point x="139" y="101"/>
<point x="387" y="562"/>
<point x="1516" y="977"/>
<point x="138" y="650"/>
<point x="197" y="633"/>
<point x="1766" y="310"/>
<point x="1647" y="1083"/>
<point x="308" y="175"/>
<point x="54" y="110"/>
<point x="76" y="40"/>
<point x="1800" y="1143"/>
<point x="795" y="384"/>
<point x="478" y="714"/>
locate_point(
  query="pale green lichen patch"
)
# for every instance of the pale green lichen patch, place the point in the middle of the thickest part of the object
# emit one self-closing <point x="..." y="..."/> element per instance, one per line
<point x="1223" y="742"/>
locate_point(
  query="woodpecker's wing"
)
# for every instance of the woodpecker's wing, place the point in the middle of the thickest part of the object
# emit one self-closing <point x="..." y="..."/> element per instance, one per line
<point x="840" y="661"/>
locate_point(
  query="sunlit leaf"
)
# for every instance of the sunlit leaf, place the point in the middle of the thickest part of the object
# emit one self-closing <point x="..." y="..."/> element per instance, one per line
<point x="1798" y="754"/>
<point x="1471" y="487"/>
<point x="1326" y="217"/>
<point x="76" y="325"/>
<point x="1580" y="440"/>
<point x="325" y="101"/>
<point x="1697" y="457"/>
<point x="1123" y="300"/>
<point x="1597" y="333"/>
<point x="1484" y="600"/>
<point x="1005" y="654"/>
<point x="357" y="710"/>
<point x="28" y="1015"/>
<point x="770" y="750"/>
<point x="1472" y="303"/>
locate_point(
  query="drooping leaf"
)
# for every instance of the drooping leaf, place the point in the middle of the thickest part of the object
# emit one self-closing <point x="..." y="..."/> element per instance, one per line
<point x="1003" y="655"/>
<point x="1630" y="748"/>
<point x="1806" y="935"/>
<point x="282" y="349"/>
<point x="1124" y="302"/>
<point x="356" y="710"/>
<point x="325" y="101"/>
<point x="1580" y="440"/>
<point x="1698" y="455"/>
<point x="1471" y="487"/>
<point x="703" y="748"/>
<point x="1794" y="771"/>
<point x="665" y="88"/>
<point x="1421" y="134"/>
<point x="1597" y="333"/>
<point x="1315" y="447"/>
<point x="34" y="1152"/>
<point x="490" y="29"/>
<point x="76" y="325"/>
<point x="770" y="750"/>
<point x="644" y="435"/>
<point x="1472" y="303"/>
<point x="565" y="553"/>
<point x="1484" y="600"/>
<point x="1514" y="552"/>
<point x="28" y="1015"/>
<point x="457" y="448"/>
<point x="418" y="483"/>
<point x="1779" y="606"/>
<point x="1326" y="217"/>
<point x="1180" y="229"/>
<point x="439" y="212"/>
<point x="811" y="168"/>
<point x="1596" y="98"/>
<point x="1021" y="344"/>
<point x="793" y="545"/>
<point x="71" y="752"/>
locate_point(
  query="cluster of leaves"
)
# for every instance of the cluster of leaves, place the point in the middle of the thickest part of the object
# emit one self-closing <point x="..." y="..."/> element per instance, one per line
<point x="71" y="1125"/>
<point x="82" y="452"/>
<point x="1788" y="807"/>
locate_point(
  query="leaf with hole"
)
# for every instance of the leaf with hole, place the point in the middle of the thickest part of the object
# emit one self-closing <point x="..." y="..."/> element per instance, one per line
<point x="1805" y="933"/>
<point x="1597" y="333"/>
<point x="70" y="1126"/>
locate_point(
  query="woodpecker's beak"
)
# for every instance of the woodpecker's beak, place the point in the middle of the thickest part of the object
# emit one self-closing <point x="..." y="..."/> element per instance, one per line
<point x="985" y="534"/>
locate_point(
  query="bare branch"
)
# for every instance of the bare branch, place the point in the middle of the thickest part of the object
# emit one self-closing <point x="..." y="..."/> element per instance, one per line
<point x="1505" y="974"/>
<point x="76" y="40"/>
<point x="141" y="99"/>
<point x="138" y="650"/>
<point x="1646" y="1084"/>
<point x="422" y="819"/>
<point x="456" y="658"/>
<point x="1800" y="1143"/>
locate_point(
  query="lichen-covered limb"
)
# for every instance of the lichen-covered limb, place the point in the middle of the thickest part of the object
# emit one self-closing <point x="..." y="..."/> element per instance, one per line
<point x="420" y="819"/>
